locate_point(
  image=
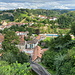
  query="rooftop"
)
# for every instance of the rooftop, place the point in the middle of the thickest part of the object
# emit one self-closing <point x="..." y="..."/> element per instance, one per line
<point x="32" y="41"/>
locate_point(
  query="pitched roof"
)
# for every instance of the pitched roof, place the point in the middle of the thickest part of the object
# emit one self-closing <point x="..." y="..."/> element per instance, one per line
<point x="32" y="41"/>
<point x="36" y="53"/>
<point x="1" y="37"/>
<point x="22" y="41"/>
<point x="0" y="54"/>
<point x="38" y="37"/>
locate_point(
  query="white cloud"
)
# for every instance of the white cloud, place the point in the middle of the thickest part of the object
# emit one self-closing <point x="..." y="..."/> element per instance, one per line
<point x="61" y="7"/>
<point x="47" y="5"/>
<point x="70" y="5"/>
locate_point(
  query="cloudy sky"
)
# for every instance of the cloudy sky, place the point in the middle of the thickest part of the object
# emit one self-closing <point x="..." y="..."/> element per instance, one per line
<point x="37" y="4"/>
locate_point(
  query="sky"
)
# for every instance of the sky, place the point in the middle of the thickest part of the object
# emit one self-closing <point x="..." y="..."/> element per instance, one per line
<point x="37" y="4"/>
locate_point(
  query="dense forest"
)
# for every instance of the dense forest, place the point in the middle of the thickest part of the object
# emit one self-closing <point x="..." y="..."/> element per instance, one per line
<point x="60" y="58"/>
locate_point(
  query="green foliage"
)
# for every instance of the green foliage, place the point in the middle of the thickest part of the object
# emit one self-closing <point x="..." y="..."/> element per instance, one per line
<point x="73" y="28"/>
<point x="22" y="57"/>
<point x="7" y="17"/>
<point x="31" y="30"/>
<point x="64" y="22"/>
<point x="47" y="39"/>
<point x="14" y="69"/>
<point x="5" y="30"/>
<point x="21" y="28"/>
<point x="11" y="52"/>
<point x="61" y="55"/>
<point x="59" y="42"/>
<point x="10" y="40"/>
<point x="11" y="37"/>
<point x="59" y="59"/>
<point x="9" y="57"/>
<point x="37" y="31"/>
<point x="21" y="14"/>
<point x="45" y="43"/>
<point x="65" y="63"/>
<point x="48" y="59"/>
<point x="28" y="38"/>
<point x="17" y="28"/>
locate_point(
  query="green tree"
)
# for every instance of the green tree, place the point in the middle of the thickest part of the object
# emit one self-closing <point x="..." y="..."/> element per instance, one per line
<point x="10" y="40"/>
<point x="9" y="57"/>
<point x="48" y="59"/>
<point x="22" y="57"/>
<point x="73" y="28"/>
<point x="14" y="69"/>
<point x="59" y="59"/>
<point x="65" y="63"/>
<point x="64" y="22"/>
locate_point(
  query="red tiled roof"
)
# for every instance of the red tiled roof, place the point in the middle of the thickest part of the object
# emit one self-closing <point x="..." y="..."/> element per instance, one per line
<point x="1" y="38"/>
<point x="43" y="50"/>
<point x="22" y="41"/>
<point x="38" y="37"/>
<point x="42" y="16"/>
<point x="1" y="54"/>
<point x="36" y="53"/>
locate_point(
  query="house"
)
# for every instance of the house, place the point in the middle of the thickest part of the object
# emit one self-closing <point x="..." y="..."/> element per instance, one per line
<point x="31" y="44"/>
<point x="2" y="27"/>
<point x="8" y="25"/>
<point x="37" y="53"/>
<point x="1" y="40"/>
<point x="4" y="23"/>
<point x="31" y="23"/>
<point x="0" y="55"/>
<point x="43" y="17"/>
<point x="22" y="33"/>
<point x="22" y="43"/>
<point x="40" y="37"/>
<point x="31" y="48"/>
<point x="52" y="18"/>
<point x="28" y="51"/>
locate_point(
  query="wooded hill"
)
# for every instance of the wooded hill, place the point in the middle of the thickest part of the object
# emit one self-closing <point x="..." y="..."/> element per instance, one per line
<point x="12" y="15"/>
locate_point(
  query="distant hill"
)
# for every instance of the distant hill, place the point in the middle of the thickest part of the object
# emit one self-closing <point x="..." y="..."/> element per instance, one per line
<point x="20" y="14"/>
<point x="65" y="9"/>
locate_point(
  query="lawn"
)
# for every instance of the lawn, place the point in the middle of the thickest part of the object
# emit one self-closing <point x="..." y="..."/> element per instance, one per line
<point x="47" y="39"/>
<point x="24" y="15"/>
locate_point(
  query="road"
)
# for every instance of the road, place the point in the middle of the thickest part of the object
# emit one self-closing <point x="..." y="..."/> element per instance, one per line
<point x="39" y="69"/>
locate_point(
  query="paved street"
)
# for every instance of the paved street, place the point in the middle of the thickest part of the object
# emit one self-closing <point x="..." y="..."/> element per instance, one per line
<point x="39" y="69"/>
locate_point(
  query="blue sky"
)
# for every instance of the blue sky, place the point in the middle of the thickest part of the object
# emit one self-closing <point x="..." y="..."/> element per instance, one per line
<point x="37" y="4"/>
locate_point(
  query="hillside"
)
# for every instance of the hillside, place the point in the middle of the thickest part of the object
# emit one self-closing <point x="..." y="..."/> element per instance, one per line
<point x="44" y="36"/>
<point x="47" y="21"/>
<point x="12" y="15"/>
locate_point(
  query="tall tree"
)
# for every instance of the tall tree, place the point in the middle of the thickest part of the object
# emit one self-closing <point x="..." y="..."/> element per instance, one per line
<point x="64" y="22"/>
<point x="10" y="40"/>
<point x="73" y="28"/>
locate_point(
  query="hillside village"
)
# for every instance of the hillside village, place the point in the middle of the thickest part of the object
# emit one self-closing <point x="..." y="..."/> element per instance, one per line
<point x="45" y="36"/>
<point x="4" y="24"/>
<point x="29" y="47"/>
